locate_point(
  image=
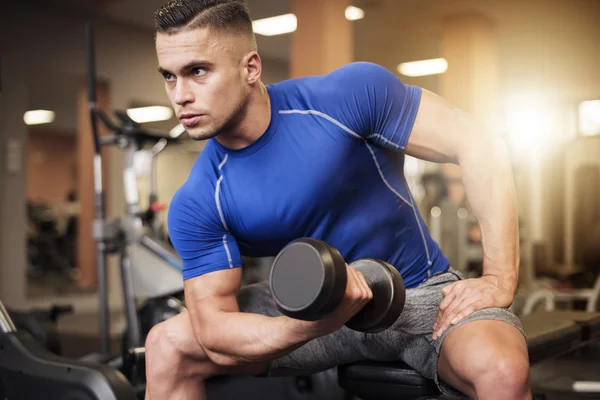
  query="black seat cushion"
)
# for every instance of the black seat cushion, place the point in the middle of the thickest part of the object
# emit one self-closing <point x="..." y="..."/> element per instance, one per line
<point x="380" y="379"/>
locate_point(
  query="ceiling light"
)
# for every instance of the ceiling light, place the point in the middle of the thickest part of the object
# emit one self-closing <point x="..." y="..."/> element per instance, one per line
<point x="424" y="67"/>
<point x="177" y="131"/>
<point x="150" y="114"/>
<point x="275" y="25"/>
<point x="354" y="13"/>
<point x="37" y="117"/>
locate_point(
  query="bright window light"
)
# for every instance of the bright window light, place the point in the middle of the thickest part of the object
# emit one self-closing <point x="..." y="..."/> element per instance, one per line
<point x="150" y="114"/>
<point x="589" y="118"/>
<point x="38" y="117"/>
<point x="424" y="67"/>
<point x="275" y="25"/>
<point x="529" y="127"/>
<point x="177" y="131"/>
<point x="354" y="13"/>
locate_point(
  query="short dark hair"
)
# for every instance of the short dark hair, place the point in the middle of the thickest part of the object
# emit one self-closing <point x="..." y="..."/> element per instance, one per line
<point x="181" y="15"/>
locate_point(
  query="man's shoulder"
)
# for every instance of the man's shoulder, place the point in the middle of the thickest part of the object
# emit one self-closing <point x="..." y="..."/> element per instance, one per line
<point x="353" y="69"/>
<point x="204" y="174"/>
<point x="339" y="82"/>
<point x="194" y="198"/>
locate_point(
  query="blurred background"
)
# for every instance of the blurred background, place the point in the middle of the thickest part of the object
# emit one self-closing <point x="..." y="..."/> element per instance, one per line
<point x="529" y="69"/>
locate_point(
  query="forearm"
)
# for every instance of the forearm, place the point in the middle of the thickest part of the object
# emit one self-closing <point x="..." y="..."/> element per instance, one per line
<point x="488" y="180"/>
<point x="243" y="338"/>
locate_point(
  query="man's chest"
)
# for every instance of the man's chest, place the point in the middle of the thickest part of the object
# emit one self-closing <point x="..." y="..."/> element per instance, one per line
<point x="291" y="189"/>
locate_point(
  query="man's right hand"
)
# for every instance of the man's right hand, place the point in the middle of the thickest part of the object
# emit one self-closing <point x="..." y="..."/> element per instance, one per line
<point x="357" y="295"/>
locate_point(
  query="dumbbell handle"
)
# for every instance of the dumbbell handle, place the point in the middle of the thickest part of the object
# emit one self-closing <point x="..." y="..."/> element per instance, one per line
<point x="390" y="297"/>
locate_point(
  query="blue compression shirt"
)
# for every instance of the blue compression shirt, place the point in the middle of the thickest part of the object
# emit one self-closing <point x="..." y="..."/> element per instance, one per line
<point x="329" y="167"/>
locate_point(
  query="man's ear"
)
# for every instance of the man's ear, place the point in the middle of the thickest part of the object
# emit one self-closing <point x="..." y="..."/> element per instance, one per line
<point x="253" y="65"/>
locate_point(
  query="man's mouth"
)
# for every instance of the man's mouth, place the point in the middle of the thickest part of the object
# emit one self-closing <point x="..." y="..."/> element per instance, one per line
<point x="190" y="119"/>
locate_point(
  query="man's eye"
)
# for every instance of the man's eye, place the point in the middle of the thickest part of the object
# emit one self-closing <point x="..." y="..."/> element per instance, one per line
<point x="168" y="77"/>
<point x="199" y="71"/>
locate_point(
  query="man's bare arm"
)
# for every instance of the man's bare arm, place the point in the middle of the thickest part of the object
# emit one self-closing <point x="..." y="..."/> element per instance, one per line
<point x="445" y="134"/>
<point x="231" y="337"/>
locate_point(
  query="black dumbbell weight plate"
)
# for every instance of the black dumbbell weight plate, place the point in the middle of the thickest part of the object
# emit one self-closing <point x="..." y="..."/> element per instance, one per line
<point x="308" y="279"/>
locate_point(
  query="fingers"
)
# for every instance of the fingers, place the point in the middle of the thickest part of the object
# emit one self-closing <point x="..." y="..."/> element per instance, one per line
<point x="466" y="311"/>
<point x="358" y="287"/>
<point x="447" y="306"/>
<point x="355" y="288"/>
<point x="462" y="307"/>
<point x="450" y="293"/>
<point x="444" y="318"/>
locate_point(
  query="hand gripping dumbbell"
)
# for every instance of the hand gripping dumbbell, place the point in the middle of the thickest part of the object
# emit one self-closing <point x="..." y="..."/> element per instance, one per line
<point x="308" y="280"/>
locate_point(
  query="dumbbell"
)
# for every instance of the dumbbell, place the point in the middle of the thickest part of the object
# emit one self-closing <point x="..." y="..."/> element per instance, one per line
<point x="308" y="280"/>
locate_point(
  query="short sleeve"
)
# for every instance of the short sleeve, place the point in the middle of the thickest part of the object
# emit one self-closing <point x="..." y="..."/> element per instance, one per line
<point x="199" y="237"/>
<point x="372" y="103"/>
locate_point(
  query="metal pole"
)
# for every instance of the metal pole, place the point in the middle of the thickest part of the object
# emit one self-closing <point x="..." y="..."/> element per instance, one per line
<point x="6" y="323"/>
<point x="133" y="323"/>
<point x="99" y="194"/>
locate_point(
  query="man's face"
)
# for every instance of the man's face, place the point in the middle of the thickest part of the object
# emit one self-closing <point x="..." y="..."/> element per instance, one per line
<point x="204" y="79"/>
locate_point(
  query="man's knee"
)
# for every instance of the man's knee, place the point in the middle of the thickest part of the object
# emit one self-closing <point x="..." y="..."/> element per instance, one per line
<point x="503" y="371"/>
<point x="171" y="350"/>
<point x="160" y="347"/>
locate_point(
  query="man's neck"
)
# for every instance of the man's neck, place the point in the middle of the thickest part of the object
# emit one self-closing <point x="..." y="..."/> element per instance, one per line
<point x="252" y="125"/>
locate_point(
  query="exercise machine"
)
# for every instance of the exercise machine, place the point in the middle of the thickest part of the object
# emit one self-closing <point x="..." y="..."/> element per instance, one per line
<point x="149" y="271"/>
<point x="30" y="371"/>
<point x="580" y="280"/>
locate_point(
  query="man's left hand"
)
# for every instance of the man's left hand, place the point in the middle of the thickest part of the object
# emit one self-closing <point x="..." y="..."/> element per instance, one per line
<point x="464" y="297"/>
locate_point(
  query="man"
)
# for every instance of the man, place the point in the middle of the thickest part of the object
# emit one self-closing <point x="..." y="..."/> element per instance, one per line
<point x="322" y="157"/>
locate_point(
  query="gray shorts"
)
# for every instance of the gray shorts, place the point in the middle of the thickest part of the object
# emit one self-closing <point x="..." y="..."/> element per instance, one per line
<point x="408" y="340"/>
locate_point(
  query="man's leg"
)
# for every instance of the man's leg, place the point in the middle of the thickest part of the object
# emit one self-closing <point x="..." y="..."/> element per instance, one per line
<point x="176" y="365"/>
<point x="486" y="359"/>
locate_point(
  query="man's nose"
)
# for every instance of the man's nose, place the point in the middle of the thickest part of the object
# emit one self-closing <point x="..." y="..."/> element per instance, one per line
<point x="183" y="93"/>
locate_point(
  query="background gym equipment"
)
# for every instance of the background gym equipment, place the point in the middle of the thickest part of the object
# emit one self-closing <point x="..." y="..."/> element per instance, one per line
<point x="29" y="371"/>
<point x="41" y="325"/>
<point x="308" y="281"/>
<point x="149" y="271"/>
<point x="578" y="279"/>
<point x="48" y="248"/>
